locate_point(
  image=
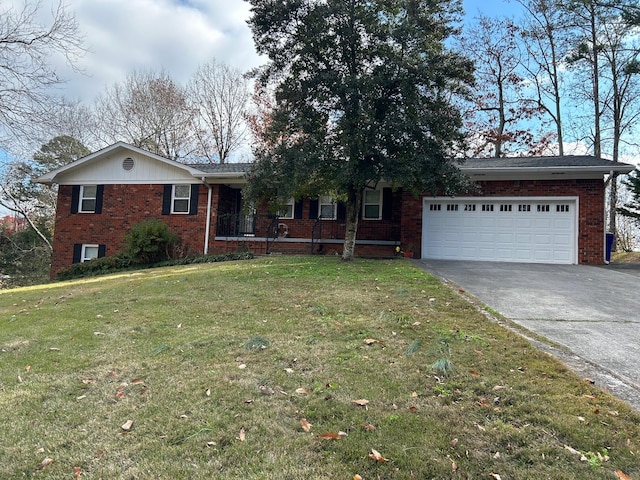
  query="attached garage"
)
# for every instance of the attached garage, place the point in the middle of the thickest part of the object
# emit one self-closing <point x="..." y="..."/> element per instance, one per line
<point x="525" y="209"/>
<point x="509" y="229"/>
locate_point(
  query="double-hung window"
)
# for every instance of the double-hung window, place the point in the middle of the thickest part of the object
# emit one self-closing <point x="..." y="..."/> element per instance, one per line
<point x="85" y="252"/>
<point x="88" y="198"/>
<point x="327" y="207"/>
<point x="287" y="212"/>
<point x="89" y="252"/>
<point x="181" y="198"/>
<point x="372" y="205"/>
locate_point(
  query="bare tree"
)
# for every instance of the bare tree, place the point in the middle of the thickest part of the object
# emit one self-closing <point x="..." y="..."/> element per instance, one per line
<point x="545" y="38"/>
<point x="148" y="110"/>
<point x="219" y="94"/>
<point x="26" y="76"/>
<point x="621" y="107"/>
<point x="501" y="112"/>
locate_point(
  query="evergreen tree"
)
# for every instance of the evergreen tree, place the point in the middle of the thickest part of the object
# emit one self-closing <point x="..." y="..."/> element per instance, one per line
<point x="363" y="94"/>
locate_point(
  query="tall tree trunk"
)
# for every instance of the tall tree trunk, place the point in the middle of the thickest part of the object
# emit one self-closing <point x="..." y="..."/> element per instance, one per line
<point x="597" y="138"/>
<point x="354" y="203"/>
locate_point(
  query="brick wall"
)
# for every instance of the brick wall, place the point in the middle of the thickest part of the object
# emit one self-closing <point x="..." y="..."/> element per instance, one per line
<point x="590" y="195"/>
<point x="127" y="205"/>
<point x="123" y="207"/>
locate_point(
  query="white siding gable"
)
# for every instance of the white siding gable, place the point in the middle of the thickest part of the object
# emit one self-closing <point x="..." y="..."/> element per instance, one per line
<point x="110" y="170"/>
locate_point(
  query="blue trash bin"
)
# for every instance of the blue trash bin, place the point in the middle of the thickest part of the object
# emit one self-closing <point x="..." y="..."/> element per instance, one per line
<point x="608" y="247"/>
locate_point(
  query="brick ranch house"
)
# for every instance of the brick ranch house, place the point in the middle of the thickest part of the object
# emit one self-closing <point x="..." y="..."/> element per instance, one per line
<point x="538" y="210"/>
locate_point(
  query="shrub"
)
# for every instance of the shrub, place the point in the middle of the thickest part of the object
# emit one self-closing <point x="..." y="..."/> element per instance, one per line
<point x="116" y="263"/>
<point x="150" y="241"/>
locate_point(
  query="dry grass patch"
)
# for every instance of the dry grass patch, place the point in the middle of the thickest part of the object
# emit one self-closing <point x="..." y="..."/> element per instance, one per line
<point x="288" y="368"/>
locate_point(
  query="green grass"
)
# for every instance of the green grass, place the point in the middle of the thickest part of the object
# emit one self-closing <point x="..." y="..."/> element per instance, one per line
<point x="216" y="365"/>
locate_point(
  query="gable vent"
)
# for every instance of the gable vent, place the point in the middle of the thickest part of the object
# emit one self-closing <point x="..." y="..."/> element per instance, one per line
<point x="128" y="164"/>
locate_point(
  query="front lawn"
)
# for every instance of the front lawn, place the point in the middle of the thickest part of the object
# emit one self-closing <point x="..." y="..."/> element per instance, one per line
<point x="289" y="368"/>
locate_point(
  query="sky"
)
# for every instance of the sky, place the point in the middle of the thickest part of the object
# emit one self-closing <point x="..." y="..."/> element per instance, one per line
<point x="175" y="35"/>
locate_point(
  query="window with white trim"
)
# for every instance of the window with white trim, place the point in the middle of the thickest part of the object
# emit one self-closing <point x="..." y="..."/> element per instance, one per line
<point x="372" y="205"/>
<point x="88" y="198"/>
<point x="180" y="198"/>
<point x="327" y="207"/>
<point x="89" y="252"/>
<point x="288" y="210"/>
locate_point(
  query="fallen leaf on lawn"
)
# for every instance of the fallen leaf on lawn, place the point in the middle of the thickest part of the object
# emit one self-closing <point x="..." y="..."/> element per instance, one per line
<point x="248" y="400"/>
<point x="27" y="368"/>
<point x="414" y="394"/>
<point x="413" y="408"/>
<point x="572" y="450"/>
<point x="589" y="380"/>
<point x="376" y="456"/>
<point x="613" y="413"/>
<point x="371" y="341"/>
<point x="362" y="402"/>
<point x="88" y="381"/>
<point x="265" y="390"/>
<point x="590" y="397"/>
<point x="479" y="352"/>
<point x="496" y="476"/>
<point x="474" y="373"/>
<point x="357" y="477"/>
<point x="454" y="442"/>
<point x="242" y="435"/>
<point x="19" y="379"/>
<point x="120" y="394"/>
<point x="498" y="387"/>
<point x="45" y="463"/>
<point x="416" y="324"/>
<point x="302" y="391"/>
<point x="127" y="425"/>
<point x="621" y="475"/>
<point x="77" y="471"/>
<point x="330" y="436"/>
<point x="137" y="381"/>
<point x="368" y="427"/>
<point x="81" y="397"/>
<point x="306" y="426"/>
<point x="582" y="419"/>
<point x="242" y="366"/>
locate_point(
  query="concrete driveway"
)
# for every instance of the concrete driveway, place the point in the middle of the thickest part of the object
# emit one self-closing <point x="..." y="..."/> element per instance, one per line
<point x="592" y="311"/>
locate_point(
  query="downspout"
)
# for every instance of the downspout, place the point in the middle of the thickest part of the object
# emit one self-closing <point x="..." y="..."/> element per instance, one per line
<point x="208" y="224"/>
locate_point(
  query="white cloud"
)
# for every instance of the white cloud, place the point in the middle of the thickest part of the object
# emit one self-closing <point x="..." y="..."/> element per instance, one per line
<point x="124" y="35"/>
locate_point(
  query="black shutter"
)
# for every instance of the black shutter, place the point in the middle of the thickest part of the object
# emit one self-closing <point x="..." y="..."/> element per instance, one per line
<point x="77" y="253"/>
<point x="99" y="195"/>
<point x="166" y="199"/>
<point x="75" y="198"/>
<point x="387" y="204"/>
<point x="313" y="208"/>
<point x="102" y="250"/>
<point x="341" y="212"/>
<point x="193" y="206"/>
<point x="297" y="209"/>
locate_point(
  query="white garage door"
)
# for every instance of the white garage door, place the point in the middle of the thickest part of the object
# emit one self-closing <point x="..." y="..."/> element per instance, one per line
<point x="533" y="230"/>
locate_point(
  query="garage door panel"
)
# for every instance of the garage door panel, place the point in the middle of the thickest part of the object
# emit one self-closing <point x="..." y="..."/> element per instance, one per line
<point x="512" y="230"/>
